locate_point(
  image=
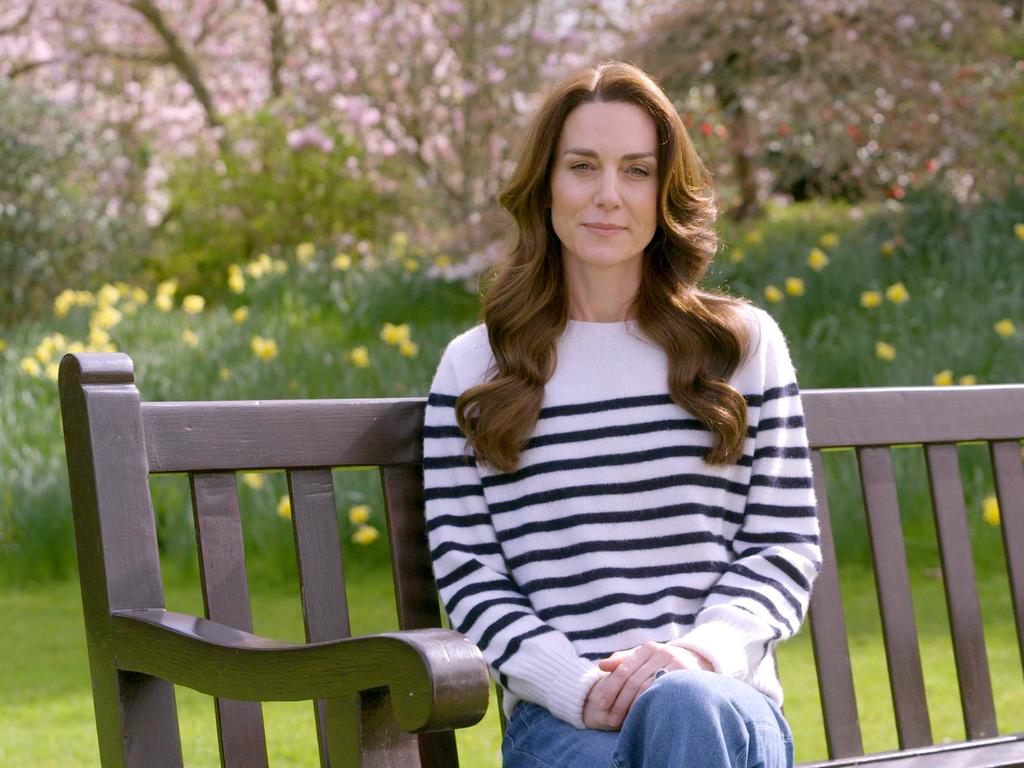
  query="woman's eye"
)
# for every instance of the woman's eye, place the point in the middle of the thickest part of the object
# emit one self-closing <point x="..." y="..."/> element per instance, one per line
<point x="637" y="170"/>
<point x="580" y="166"/>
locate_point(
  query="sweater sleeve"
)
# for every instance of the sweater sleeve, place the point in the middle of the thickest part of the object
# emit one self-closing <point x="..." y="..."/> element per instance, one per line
<point x="531" y="659"/>
<point x="763" y="595"/>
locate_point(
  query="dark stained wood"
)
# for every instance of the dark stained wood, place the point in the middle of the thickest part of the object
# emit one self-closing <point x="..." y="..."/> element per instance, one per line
<point x="1004" y="752"/>
<point x="828" y="638"/>
<point x="1009" y="476"/>
<point x="899" y="627"/>
<point x="321" y="580"/>
<point x="905" y="415"/>
<point x="415" y="594"/>
<point x="218" y="524"/>
<point x="282" y="434"/>
<point x="961" y="593"/>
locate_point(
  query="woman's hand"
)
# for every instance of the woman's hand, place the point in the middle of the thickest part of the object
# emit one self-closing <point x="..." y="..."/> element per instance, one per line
<point x="630" y="673"/>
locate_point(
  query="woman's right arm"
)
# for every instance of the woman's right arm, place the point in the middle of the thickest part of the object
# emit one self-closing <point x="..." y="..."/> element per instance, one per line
<point x="531" y="659"/>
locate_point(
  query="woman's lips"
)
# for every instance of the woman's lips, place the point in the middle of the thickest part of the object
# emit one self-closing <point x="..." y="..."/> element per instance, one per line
<point x="604" y="230"/>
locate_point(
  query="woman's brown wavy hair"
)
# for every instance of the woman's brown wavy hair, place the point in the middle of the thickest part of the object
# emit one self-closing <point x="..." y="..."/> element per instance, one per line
<point x="526" y="307"/>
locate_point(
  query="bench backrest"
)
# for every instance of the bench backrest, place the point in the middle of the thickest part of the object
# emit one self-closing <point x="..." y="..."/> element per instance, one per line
<point x="115" y="442"/>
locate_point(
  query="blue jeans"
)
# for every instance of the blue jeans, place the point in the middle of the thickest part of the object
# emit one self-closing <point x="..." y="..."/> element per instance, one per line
<point x="686" y="719"/>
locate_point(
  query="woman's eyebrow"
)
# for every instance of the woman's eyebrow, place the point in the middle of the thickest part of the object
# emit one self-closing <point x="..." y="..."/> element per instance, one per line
<point x="592" y="153"/>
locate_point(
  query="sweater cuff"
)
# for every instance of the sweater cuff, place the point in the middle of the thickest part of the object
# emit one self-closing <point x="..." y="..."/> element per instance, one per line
<point x="726" y="644"/>
<point x="566" y="687"/>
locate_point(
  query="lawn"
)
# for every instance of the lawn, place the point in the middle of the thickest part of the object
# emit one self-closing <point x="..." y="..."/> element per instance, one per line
<point x="46" y="709"/>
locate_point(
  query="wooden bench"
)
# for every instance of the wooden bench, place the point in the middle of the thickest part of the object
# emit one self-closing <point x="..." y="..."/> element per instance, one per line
<point x="370" y="691"/>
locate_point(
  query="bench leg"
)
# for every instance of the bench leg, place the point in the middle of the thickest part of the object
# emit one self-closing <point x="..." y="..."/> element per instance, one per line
<point x="362" y="733"/>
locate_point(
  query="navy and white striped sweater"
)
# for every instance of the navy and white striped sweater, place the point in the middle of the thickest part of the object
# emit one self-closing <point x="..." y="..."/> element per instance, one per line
<point x="613" y="530"/>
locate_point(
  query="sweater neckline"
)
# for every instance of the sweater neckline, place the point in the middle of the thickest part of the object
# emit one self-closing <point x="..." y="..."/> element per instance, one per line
<point x="592" y="330"/>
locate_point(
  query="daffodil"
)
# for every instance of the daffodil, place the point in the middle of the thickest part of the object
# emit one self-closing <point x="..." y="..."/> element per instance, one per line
<point x="794" y="286"/>
<point x="943" y="378"/>
<point x="240" y="315"/>
<point x="888" y="248"/>
<point x="1018" y="230"/>
<point x="163" y="302"/>
<point x="828" y="240"/>
<point x="967" y="380"/>
<point x="897" y="293"/>
<point x="365" y="534"/>
<point x="305" y="252"/>
<point x="30" y="366"/>
<point x="870" y="299"/>
<point x="443" y="261"/>
<point x="106" y="317"/>
<point x="264" y="349"/>
<point x="360" y="357"/>
<point x="341" y="262"/>
<point x="394" y="334"/>
<point x="193" y="304"/>
<point x="52" y="370"/>
<point x="223" y="373"/>
<point x="167" y="288"/>
<point x="411" y="265"/>
<point x="279" y="266"/>
<point x="754" y="237"/>
<point x="99" y="339"/>
<point x="139" y="295"/>
<point x="399" y="239"/>
<point x="190" y="337"/>
<point x="408" y="349"/>
<point x="1005" y="328"/>
<point x="284" y="508"/>
<point x="107" y="295"/>
<point x="773" y="294"/>
<point x="3" y="345"/>
<point x="817" y="260"/>
<point x="359" y="514"/>
<point x="253" y="479"/>
<point x="258" y="266"/>
<point x="236" y="279"/>
<point x="885" y="351"/>
<point x="736" y="255"/>
<point x="990" y="510"/>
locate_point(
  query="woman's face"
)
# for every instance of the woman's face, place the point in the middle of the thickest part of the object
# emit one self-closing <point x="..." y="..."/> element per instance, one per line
<point x="604" y="187"/>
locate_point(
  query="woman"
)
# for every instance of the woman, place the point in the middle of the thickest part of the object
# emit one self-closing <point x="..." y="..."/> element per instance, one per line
<point x="618" y="488"/>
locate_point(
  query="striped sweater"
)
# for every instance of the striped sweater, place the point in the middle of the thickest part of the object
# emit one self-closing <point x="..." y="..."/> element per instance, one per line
<point x="613" y="530"/>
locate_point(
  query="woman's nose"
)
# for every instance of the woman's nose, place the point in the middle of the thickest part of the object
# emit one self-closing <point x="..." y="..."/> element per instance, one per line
<point x="607" y="193"/>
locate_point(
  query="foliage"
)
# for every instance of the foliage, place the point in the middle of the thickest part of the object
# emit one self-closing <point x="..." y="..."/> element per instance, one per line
<point x="54" y="212"/>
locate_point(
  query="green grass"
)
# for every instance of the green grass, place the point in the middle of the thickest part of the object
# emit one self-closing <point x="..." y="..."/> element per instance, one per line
<point x="46" y="707"/>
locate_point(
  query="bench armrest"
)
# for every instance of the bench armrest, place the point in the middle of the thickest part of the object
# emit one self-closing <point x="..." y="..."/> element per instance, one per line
<point x="437" y="678"/>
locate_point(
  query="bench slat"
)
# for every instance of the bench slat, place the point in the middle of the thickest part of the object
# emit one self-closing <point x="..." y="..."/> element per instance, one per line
<point x="218" y="524"/>
<point x="1009" y="476"/>
<point x="415" y="594"/>
<point x="828" y="637"/>
<point x="961" y="591"/>
<point x="899" y="627"/>
<point x="321" y="581"/>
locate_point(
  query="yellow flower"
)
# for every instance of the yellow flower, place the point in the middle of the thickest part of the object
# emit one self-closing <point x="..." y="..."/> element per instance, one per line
<point x="794" y="286"/>
<point x="365" y="534"/>
<point x="411" y="265"/>
<point x="223" y="374"/>
<point x="106" y="317"/>
<point x="236" y="279"/>
<point x="30" y="366"/>
<point x="99" y="339"/>
<point x="191" y="338"/>
<point x="817" y="260"/>
<point x="253" y="479"/>
<point x="736" y="255"/>
<point x="828" y="240"/>
<point x="773" y="294"/>
<point x="885" y="351"/>
<point x="193" y="304"/>
<point x="280" y="266"/>
<point x="399" y="239"/>
<point x="3" y="345"/>
<point x="943" y="378"/>
<point x="342" y="261"/>
<point x="240" y="315"/>
<point x="359" y="514"/>
<point x="870" y="299"/>
<point x="754" y="237"/>
<point x="968" y="380"/>
<point x="264" y="349"/>
<point x="1018" y="230"/>
<point x="360" y="357"/>
<point x="139" y="296"/>
<point x="394" y="334"/>
<point x="75" y="347"/>
<point x="990" y="510"/>
<point x="52" y="370"/>
<point x="167" y="288"/>
<point x="305" y="252"/>
<point x="897" y="293"/>
<point x="129" y="308"/>
<point x="443" y="261"/>
<point x="163" y="302"/>
<point x="888" y="248"/>
<point x="1005" y="328"/>
<point x="107" y="295"/>
<point x="284" y="508"/>
<point x="258" y="267"/>
<point x="408" y="349"/>
<point x="64" y="302"/>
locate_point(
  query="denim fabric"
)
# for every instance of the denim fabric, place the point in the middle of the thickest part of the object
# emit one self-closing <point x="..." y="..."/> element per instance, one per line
<point x="686" y="719"/>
